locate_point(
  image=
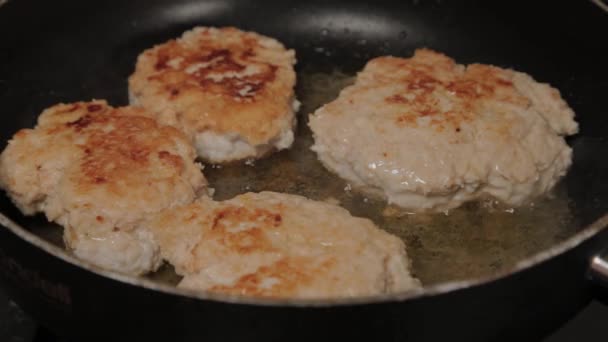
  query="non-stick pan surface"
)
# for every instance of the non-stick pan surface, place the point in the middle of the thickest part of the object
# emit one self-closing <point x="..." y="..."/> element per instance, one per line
<point x="64" y="51"/>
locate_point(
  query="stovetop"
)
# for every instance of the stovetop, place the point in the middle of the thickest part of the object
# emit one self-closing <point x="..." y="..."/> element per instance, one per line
<point x="591" y="324"/>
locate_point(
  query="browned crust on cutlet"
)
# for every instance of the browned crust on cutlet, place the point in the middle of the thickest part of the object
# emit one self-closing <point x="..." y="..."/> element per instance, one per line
<point x="224" y="80"/>
<point x="290" y="273"/>
<point x="429" y="72"/>
<point x="113" y="157"/>
<point x="277" y="245"/>
<point x="122" y="150"/>
<point x="216" y="60"/>
<point x="246" y="241"/>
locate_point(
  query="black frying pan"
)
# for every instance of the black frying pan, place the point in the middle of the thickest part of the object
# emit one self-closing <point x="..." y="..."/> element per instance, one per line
<point x="61" y="51"/>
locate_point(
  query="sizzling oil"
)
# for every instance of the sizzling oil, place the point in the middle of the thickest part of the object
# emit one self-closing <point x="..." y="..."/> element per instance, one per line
<point x="475" y="240"/>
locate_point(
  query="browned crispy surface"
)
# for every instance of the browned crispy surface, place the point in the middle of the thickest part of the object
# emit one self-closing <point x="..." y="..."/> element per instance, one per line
<point x="279" y="245"/>
<point x="420" y="81"/>
<point x="224" y="80"/>
<point x="98" y="171"/>
<point x="289" y="273"/>
<point x="107" y="166"/>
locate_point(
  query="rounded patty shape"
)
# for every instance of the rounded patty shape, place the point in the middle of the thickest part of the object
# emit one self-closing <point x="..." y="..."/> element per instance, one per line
<point x="98" y="171"/>
<point x="429" y="134"/>
<point x="229" y="90"/>
<point x="278" y="245"/>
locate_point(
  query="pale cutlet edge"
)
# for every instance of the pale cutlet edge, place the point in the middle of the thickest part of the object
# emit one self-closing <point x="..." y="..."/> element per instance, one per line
<point x="231" y="91"/>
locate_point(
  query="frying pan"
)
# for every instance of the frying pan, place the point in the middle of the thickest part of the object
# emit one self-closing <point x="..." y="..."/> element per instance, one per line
<point x="538" y="277"/>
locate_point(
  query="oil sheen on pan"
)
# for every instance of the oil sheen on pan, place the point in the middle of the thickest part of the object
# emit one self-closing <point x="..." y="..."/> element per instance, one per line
<point x="476" y="240"/>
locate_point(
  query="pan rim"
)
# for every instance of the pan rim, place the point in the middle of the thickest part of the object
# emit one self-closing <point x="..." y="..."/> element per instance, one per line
<point x="570" y="243"/>
<point x="434" y="290"/>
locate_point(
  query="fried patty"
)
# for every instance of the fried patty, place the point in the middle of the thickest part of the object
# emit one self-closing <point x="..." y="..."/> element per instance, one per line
<point x="98" y="171"/>
<point x="230" y="91"/>
<point x="278" y="245"/>
<point x="429" y="134"/>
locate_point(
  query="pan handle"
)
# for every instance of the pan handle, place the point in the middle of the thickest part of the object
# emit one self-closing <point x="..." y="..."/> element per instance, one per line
<point x="598" y="269"/>
<point x="603" y="4"/>
<point x="598" y="274"/>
